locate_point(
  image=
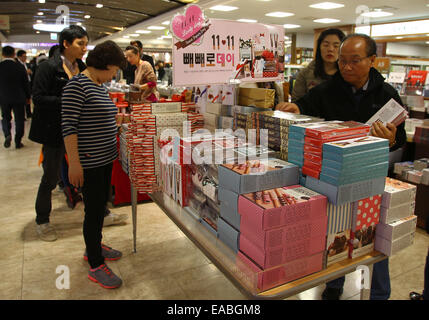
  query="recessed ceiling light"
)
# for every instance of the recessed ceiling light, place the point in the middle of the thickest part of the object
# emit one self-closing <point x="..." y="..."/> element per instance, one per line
<point x="37" y="31"/>
<point x="40" y="13"/>
<point x="39" y="21"/>
<point x="223" y="8"/>
<point x="399" y="38"/>
<point x="279" y="14"/>
<point x="248" y="20"/>
<point x="87" y="16"/>
<point x="291" y="26"/>
<point x="377" y="14"/>
<point x="99" y="5"/>
<point x="427" y="42"/>
<point x="326" y="20"/>
<point x="126" y="37"/>
<point x="42" y="1"/>
<point x="79" y="23"/>
<point x="327" y="5"/>
<point x="134" y="35"/>
<point x="143" y="31"/>
<point x="286" y="38"/>
<point x="166" y="23"/>
<point x="156" y="28"/>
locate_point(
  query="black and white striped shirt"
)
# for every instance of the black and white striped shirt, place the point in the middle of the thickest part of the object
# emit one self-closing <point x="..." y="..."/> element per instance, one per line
<point x="88" y="111"/>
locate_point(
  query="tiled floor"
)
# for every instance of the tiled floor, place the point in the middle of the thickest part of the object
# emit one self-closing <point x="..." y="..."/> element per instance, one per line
<point x="167" y="264"/>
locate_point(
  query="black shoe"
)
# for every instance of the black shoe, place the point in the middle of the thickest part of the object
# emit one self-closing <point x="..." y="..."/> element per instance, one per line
<point x="416" y="296"/>
<point x="7" y="141"/>
<point x="332" y="293"/>
<point x="19" y="145"/>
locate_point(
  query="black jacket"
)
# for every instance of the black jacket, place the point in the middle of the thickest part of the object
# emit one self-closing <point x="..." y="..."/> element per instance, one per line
<point x="334" y="100"/>
<point x="48" y="85"/>
<point x="14" y="86"/>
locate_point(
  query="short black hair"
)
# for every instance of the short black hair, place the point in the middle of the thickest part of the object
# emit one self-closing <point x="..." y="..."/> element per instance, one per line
<point x="106" y="54"/>
<point x="138" y="42"/>
<point x="52" y="50"/>
<point x="8" y="51"/>
<point x="21" y="53"/>
<point x="134" y="49"/>
<point x="70" y="34"/>
<point x="370" y="44"/>
<point x="319" y="70"/>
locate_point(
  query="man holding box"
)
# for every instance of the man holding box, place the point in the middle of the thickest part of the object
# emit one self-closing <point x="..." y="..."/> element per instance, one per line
<point x="356" y="93"/>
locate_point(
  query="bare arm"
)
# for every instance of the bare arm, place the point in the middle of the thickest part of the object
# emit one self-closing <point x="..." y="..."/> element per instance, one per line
<point x="75" y="167"/>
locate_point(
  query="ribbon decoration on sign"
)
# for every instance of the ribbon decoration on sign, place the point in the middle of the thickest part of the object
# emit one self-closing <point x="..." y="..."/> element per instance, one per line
<point x="192" y="39"/>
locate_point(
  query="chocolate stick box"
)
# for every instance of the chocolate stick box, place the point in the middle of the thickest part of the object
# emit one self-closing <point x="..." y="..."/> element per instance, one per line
<point x="346" y="128"/>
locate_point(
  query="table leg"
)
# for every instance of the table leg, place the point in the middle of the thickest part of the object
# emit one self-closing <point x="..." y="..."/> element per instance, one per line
<point x="134" y="214"/>
<point x="365" y="291"/>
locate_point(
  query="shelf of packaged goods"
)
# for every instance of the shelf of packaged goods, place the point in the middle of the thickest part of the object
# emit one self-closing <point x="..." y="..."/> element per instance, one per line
<point x="225" y="259"/>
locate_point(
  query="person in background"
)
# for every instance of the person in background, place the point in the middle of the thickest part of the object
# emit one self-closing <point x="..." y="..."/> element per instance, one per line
<point x="159" y="66"/>
<point x="144" y="57"/>
<point x="22" y="58"/>
<point x="356" y="93"/>
<point x="168" y="73"/>
<point x="323" y="67"/>
<point x="425" y="294"/>
<point x="88" y="115"/>
<point x="14" y="94"/>
<point x="145" y="77"/>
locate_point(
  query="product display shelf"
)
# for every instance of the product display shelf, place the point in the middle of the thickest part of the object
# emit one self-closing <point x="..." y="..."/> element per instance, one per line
<point x="225" y="259"/>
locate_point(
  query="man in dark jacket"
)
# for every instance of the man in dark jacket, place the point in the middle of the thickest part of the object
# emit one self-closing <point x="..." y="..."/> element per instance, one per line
<point x="356" y="93"/>
<point x="14" y="94"/>
<point x="51" y="77"/>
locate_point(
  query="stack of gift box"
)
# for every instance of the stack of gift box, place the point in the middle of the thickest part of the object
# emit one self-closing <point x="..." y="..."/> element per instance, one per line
<point x="416" y="172"/>
<point x="397" y="220"/>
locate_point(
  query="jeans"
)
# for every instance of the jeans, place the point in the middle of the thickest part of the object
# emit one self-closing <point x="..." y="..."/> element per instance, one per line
<point x="426" y="283"/>
<point x="95" y="192"/>
<point x="52" y="158"/>
<point x="6" y="114"/>
<point x="380" y="282"/>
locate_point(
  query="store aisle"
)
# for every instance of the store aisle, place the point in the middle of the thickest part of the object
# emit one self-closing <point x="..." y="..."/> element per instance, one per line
<point x="167" y="265"/>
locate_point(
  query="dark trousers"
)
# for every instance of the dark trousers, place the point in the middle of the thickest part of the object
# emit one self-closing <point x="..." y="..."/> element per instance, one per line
<point x="18" y="113"/>
<point x="95" y="192"/>
<point x="380" y="282"/>
<point x="52" y="158"/>
<point x="28" y="111"/>
<point x="426" y="283"/>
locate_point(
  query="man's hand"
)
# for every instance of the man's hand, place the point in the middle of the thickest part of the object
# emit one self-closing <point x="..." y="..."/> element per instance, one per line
<point x="288" y="107"/>
<point x="76" y="174"/>
<point x="385" y="132"/>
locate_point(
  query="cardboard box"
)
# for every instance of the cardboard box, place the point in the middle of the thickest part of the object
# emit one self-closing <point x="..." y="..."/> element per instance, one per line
<point x="226" y="122"/>
<point x="262" y="98"/>
<point x="229" y="207"/>
<point x="343" y="147"/>
<point x="339" y="217"/>
<point x="421" y="164"/>
<point x="257" y="175"/>
<point x="272" y="257"/>
<point x="356" y="157"/>
<point x="228" y="234"/>
<point x="167" y="107"/>
<point x="366" y="213"/>
<point x="397" y="193"/>
<point x="425" y="177"/>
<point x="211" y="120"/>
<point x="344" y="129"/>
<point x="228" y="95"/>
<point x="245" y="109"/>
<point x="400" y="166"/>
<point x="218" y="109"/>
<point x="280" y="207"/>
<point x="318" y="142"/>
<point x="357" y="170"/>
<point x="397" y="229"/>
<point x="340" y="195"/>
<point x="262" y="280"/>
<point x="337" y="247"/>
<point x="371" y="173"/>
<point x="392" y="214"/>
<point x="415" y="176"/>
<point x="390" y="248"/>
<point x="352" y="165"/>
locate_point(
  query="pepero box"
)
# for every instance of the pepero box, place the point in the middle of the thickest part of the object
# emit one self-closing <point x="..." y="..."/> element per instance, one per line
<point x="255" y="175"/>
<point x="337" y="247"/>
<point x="362" y="242"/>
<point x="229" y="207"/>
<point x="262" y="280"/>
<point x="383" y="166"/>
<point x="351" y="165"/>
<point x="392" y="214"/>
<point x="356" y="157"/>
<point x="372" y="173"/>
<point x="343" y="147"/>
<point x="397" y="229"/>
<point x="340" y="195"/>
<point x="300" y="129"/>
<point x="397" y="193"/>
<point x="339" y="217"/>
<point x="390" y="248"/>
<point x="278" y="207"/>
<point x="218" y="109"/>
<point x="333" y="130"/>
<point x="228" y="234"/>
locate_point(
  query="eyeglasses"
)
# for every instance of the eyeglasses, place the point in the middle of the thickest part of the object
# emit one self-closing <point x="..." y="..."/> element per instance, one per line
<point x="353" y="62"/>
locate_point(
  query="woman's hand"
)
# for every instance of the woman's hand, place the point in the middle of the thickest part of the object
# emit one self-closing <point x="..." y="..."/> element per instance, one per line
<point x="76" y="174"/>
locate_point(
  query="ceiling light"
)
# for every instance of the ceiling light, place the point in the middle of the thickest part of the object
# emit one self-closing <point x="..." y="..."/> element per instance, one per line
<point x="291" y="26"/>
<point x="40" y="13"/>
<point x="126" y="37"/>
<point x="37" y="31"/>
<point x="134" y="35"/>
<point x="223" y="8"/>
<point x="326" y="20"/>
<point x="279" y="14"/>
<point x="399" y="38"/>
<point x="39" y="21"/>
<point x="49" y="27"/>
<point x="99" y="5"/>
<point x="377" y="14"/>
<point x="427" y="42"/>
<point x="248" y="20"/>
<point x="166" y="23"/>
<point x="327" y="5"/>
<point x="41" y="1"/>
<point x="87" y="16"/>
<point x="143" y="31"/>
<point x="286" y="38"/>
<point x="156" y="28"/>
<point x="79" y="23"/>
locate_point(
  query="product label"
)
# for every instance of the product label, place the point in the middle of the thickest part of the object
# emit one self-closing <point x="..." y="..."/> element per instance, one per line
<point x="166" y="107"/>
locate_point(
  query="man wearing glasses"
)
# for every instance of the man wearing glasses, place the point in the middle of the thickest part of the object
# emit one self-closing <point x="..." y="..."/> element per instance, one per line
<point x="356" y="93"/>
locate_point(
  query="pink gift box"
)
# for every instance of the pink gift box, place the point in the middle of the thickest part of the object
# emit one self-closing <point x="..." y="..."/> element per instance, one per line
<point x="265" y="211"/>
<point x="261" y="280"/>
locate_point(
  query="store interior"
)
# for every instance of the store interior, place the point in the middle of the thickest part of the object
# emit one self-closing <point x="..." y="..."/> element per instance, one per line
<point x="170" y="253"/>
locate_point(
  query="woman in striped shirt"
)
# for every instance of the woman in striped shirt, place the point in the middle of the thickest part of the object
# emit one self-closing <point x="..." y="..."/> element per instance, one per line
<point x="89" y="131"/>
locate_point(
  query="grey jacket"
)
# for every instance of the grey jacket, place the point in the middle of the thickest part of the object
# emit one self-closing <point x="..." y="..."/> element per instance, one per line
<point x="305" y="80"/>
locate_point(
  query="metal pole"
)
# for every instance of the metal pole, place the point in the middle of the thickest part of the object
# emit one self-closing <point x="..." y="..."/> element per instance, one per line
<point x="134" y="214"/>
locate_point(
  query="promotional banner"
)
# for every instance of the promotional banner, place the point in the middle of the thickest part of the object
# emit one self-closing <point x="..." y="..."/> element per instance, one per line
<point x="218" y="51"/>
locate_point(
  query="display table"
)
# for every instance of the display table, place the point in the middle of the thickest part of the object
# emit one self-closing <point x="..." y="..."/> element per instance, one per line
<point x="225" y="259"/>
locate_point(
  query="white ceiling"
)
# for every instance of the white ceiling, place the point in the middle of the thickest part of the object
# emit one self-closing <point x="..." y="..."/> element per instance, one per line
<point x="303" y="15"/>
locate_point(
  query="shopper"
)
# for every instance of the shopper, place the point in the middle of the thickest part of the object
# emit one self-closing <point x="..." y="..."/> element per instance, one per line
<point x="145" y="77"/>
<point x="159" y="66"/>
<point x="51" y="77"/>
<point x="88" y="116"/>
<point x="14" y="95"/>
<point x="323" y="67"/>
<point x="357" y="92"/>
<point x="425" y="294"/>
<point x="139" y="45"/>
<point x="22" y="59"/>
